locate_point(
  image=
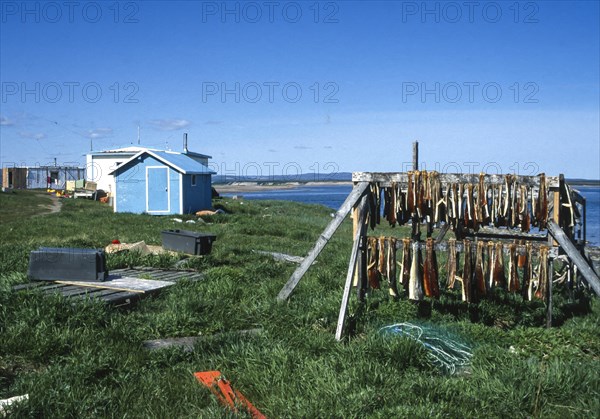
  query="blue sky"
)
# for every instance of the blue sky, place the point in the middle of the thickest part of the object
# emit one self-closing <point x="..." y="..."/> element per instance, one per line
<point x="278" y="87"/>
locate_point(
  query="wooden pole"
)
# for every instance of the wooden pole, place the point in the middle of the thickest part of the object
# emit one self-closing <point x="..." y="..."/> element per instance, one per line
<point x="354" y="228"/>
<point x="415" y="156"/>
<point x="549" y="290"/>
<point x="584" y="221"/>
<point x="361" y="290"/>
<point x="357" y="192"/>
<point x="442" y="233"/>
<point x="351" y="267"/>
<point x="584" y="268"/>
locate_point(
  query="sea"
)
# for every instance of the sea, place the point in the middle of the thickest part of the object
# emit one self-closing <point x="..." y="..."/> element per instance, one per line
<point x="333" y="196"/>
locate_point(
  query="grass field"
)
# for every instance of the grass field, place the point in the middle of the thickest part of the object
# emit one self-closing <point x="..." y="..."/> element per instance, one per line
<point x="87" y="360"/>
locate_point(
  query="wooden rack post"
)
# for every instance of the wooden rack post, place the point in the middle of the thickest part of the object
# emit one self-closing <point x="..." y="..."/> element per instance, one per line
<point x="360" y="232"/>
<point x="357" y="192"/>
<point x="549" y="296"/>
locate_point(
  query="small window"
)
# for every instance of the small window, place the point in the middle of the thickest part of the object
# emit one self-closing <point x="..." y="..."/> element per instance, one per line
<point x="193" y="180"/>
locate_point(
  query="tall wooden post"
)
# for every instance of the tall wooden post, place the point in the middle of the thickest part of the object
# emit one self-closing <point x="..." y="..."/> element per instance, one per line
<point x="362" y="214"/>
<point x="549" y="290"/>
<point x="415" y="156"/>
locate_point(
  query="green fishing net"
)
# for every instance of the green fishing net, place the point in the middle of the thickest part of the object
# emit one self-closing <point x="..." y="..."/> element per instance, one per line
<point x="444" y="349"/>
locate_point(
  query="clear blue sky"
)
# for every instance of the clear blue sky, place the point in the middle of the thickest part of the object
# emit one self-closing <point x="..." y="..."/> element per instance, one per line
<point x="503" y="85"/>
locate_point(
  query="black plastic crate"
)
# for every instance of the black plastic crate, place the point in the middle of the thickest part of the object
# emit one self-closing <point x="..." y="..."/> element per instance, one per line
<point x="190" y="242"/>
<point x="67" y="264"/>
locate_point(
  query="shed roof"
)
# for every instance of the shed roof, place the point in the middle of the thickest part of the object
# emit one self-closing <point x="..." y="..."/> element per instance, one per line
<point x="178" y="161"/>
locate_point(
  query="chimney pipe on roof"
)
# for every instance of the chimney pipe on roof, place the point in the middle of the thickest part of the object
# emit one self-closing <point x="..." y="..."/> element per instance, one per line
<point x="185" y="149"/>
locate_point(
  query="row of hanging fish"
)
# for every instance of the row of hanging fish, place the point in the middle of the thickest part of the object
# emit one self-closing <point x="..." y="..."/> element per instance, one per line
<point x="462" y="205"/>
<point x="483" y="269"/>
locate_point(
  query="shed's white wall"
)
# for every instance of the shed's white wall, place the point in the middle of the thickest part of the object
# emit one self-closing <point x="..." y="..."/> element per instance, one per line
<point x="99" y="167"/>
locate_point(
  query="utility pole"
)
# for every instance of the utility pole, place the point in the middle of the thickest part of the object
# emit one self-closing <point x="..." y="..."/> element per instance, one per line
<point x="415" y="158"/>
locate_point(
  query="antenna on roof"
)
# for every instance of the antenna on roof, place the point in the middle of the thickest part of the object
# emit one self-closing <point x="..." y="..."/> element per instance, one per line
<point x="138" y="134"/>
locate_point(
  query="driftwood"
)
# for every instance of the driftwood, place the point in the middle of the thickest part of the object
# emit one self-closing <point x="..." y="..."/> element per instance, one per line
<point x="282" y="257"/>
<point x="187" y="343"/>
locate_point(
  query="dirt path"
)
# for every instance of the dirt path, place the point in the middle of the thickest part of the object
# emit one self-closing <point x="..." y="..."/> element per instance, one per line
<point x="52" y="208"/>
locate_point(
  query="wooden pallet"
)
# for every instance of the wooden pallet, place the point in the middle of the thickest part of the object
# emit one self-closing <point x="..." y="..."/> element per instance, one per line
<point x="124" y="286"/>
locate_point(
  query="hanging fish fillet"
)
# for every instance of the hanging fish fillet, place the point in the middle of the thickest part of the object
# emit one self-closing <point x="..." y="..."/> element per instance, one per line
<point x="439" y="199"/>
<point x="459" y="207"/>
<point x="381" y="267"/>
<point x="479" y="278"/>
<point x="522" y="257"/>
<point x="452" y="263"/>
<point x="470" y="211"/>
<point x="391" y="267"/>
<point x="499" y="278"/>
<point x="541" y="206"/>
<point x="507" y="204"/>
<point x="524" y="209"/>
<point x="514" y="221"/>
<point x="528" y="273"/>
<point x="389" y="204"/>
<point x="513" y="274"/>
<point x="427" y="206"/>
<point x="447" y="206"/>
<point x="372" y="272"/>
<point x="543" y="279"/>
<point x="489" y="272"/>
<point x="430" y="275"/>
<point x="483" y="214"/>
<point x="401" y="210"/>
<point x="419" y="193"/>
<point x="569" y="219"/>
<point x="374" y="205"/>
<point x="406" y="264"/>
<point x="415" y="285"/>
<point x="467" y="273"/>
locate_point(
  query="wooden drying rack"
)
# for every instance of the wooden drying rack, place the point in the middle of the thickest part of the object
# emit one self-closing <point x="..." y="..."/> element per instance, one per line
<point x="558" y="236"/>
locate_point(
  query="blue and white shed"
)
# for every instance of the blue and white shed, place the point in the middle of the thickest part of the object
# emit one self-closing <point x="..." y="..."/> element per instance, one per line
<point x="161" y="183"/>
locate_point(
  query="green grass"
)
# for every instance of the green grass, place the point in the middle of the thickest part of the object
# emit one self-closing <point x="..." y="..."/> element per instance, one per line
<point x="20" y="205"/>
<point x="87" y="360"/>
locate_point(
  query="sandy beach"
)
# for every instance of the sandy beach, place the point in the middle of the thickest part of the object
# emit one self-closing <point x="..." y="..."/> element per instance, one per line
<point x="240" y="187"/>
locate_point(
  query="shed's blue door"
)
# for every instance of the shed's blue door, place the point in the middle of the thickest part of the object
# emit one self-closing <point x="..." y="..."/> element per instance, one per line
<point x="157" y="189"/>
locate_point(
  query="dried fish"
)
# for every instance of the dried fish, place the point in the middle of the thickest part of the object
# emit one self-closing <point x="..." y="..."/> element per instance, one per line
<point x="467" y="272"/>
<point x="430" y="276"/>
<point x="452" y="263"/>
<point x="415" y="285"/>
<point x="391" y="267"/>
<point x="499" y="278"/>
<point x="513" y="274"/>
<point x="542" y="288"/>
<point x="479" y="279"/>
<point x="406" y="264"/>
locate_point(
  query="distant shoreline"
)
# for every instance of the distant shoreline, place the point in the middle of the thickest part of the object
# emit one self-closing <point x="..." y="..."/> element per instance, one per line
<point x="240" y="187"/>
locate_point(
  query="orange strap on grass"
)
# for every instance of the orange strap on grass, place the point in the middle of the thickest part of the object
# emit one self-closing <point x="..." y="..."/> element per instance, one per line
<point x="220" y="387"/>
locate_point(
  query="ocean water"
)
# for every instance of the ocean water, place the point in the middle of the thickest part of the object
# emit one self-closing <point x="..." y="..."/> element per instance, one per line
<point x="333" y="196"/>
